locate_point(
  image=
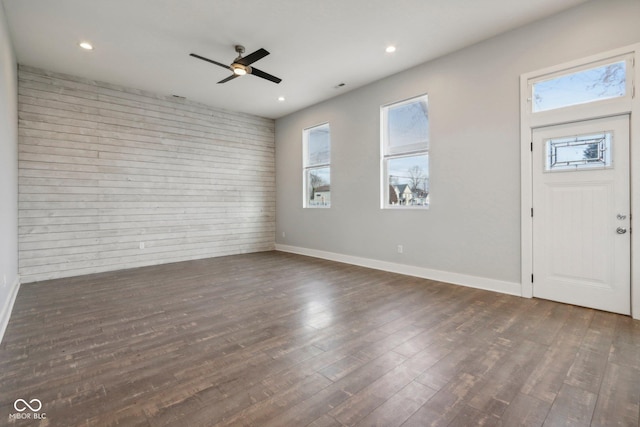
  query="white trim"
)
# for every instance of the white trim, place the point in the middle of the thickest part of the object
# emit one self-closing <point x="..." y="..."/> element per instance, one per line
<point x="635" y="186"/>
<point x="526" y="196"/>
<point x="600" y="109"/>
<point x="389" y="152"/>
<point x="5" y="314"/>
<point x="306" y="167"/>
<point x="504" y="287"/>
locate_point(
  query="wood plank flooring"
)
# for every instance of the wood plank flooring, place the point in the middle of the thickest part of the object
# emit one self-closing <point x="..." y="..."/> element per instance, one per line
<point x="275" y="339"/>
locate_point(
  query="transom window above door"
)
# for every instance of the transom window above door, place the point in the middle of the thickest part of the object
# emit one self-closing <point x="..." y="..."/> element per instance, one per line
<point x="589" y="83"/>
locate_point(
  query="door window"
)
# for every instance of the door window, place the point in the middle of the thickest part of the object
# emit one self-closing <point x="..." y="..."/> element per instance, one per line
<point x="582" y="152"/>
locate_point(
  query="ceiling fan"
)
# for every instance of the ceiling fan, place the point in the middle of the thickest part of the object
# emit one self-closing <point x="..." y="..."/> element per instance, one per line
<point x="242" y="65"/>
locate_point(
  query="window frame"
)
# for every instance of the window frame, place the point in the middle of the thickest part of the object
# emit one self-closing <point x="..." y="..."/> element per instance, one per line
<point x="389" y="152"/>
<point x="529" y="120"/>
<point x="582" y="106"/>
<point x="306" y="167"/>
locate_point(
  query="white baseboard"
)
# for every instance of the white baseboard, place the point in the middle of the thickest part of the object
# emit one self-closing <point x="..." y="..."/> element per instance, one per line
<point x="511" y="288"/>
<point x="7" y="307"/>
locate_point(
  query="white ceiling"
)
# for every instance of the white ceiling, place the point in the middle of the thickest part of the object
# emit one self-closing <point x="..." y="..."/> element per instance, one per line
<point x="314" y="44"/>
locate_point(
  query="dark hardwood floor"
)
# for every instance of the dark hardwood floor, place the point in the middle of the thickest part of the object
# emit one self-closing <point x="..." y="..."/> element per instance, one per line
<point x="274" y="339"/>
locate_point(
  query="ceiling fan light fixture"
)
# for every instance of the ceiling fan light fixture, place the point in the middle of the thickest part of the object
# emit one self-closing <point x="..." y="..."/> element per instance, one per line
<point x="239" y="69"/>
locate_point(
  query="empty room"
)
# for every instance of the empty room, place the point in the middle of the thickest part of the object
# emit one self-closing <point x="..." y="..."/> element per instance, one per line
<point x="319" y="213"/>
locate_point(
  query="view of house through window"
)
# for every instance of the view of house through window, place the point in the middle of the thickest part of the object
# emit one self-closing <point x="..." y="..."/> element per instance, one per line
<point x="405" y="153"/>
<point x="317" y="166"/>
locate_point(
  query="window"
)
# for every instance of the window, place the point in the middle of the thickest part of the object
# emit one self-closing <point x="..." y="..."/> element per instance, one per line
<point x="580" y="86"/>
<point x="578" y="152"/>
<point x="405" y="154"/>
<point x="317" y="166"/>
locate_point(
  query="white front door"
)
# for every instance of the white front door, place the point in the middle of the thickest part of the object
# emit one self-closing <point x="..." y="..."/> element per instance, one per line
<point x="581" y="214"/>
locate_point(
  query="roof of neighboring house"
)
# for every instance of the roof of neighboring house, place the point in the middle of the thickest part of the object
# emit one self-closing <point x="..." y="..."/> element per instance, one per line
<point x="402" y="188"/>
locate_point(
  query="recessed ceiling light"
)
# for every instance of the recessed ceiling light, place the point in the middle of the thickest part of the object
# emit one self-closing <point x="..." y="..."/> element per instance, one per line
<point x="390" y="49"/>
<point x="281" y="98"/>
<point x="86" y="45"/>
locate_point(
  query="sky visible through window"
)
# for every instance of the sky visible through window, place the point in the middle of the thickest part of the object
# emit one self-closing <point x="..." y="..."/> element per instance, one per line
<point x="594" y="84"/>
<point x="319" y="145"/>
<point x="408" y="170"/>
<point x="322" y="176"/>
<point x="408" y="124"/>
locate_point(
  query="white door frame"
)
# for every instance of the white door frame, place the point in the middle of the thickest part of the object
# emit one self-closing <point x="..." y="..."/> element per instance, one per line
<point x="528" y="121"/>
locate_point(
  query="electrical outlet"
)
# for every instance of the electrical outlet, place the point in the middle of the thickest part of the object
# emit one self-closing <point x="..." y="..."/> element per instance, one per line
<point x="400" y="249"/>
<point x="284" y="234"/>
<point x="141" y="245"/>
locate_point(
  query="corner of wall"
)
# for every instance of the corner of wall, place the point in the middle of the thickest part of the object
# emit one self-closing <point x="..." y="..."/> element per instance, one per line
<point x="7" y="307"/>
<point x="9" y="278"/>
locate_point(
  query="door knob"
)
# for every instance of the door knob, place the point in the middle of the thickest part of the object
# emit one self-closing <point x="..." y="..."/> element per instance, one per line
<point x="621" y="230"/>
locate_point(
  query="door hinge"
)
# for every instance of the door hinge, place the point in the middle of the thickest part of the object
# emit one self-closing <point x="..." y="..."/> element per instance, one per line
<point x="532" y="146"/>
<point x="532" y="278"/>
<point x="531" y="212"/>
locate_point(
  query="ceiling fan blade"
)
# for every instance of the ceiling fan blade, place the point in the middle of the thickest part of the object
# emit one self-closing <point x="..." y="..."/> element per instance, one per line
<point x="209" y="60"/>
<point x="253" y="57"/>
<point x="231" y="77"/>
<point x="260" y="73"/>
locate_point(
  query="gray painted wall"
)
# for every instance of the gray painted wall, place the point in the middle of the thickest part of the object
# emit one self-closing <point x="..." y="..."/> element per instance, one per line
<point x="8" y="173"/>
<point x="105" y="168"/>
<point x="473" y="225"/>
